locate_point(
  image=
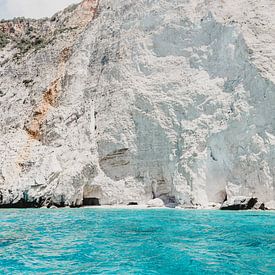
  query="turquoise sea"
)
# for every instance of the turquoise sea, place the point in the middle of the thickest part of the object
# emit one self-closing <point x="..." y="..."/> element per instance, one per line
<point x="117" y="241"/>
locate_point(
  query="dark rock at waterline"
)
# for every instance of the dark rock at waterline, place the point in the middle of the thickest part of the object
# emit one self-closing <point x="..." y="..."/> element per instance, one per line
<point x="239" y="203"/>
<point x="52" y="205"/>
<point x="75" y="206"/>
<point x="23" y="204"/>
<point x="132" y="203"/>
<point x="259" y="206"/>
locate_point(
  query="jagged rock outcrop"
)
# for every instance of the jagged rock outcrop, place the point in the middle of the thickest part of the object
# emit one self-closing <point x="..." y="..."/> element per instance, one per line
<point x="240" y="203"/>
<point x="125" y="101"/>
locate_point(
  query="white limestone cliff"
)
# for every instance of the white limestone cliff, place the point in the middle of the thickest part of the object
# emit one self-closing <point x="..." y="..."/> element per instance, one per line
<point x="133" y="100"/>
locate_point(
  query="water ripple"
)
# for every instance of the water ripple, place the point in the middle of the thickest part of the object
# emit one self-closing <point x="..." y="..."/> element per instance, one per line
<point x="97" y="241"/>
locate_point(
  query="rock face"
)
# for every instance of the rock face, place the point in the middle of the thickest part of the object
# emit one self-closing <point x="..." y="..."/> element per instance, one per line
<point x="125" y="101"/>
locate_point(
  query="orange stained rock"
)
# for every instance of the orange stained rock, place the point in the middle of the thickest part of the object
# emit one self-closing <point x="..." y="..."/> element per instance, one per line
<point x="64" y="55"/>
<point x="89" y="5"/>
<point x="49" y="99"/>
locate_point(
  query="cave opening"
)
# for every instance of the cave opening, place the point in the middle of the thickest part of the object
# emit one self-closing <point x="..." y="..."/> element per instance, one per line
<point x="91" y="202"/>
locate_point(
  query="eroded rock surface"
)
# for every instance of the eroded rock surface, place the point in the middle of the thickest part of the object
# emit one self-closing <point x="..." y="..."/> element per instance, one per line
<point x="125" y="101"/>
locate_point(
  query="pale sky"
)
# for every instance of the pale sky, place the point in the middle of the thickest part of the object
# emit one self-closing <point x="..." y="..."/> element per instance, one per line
<point x="32" y="8"/>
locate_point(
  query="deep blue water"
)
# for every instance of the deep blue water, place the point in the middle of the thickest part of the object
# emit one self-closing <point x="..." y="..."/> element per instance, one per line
<point x="101" y="241"/>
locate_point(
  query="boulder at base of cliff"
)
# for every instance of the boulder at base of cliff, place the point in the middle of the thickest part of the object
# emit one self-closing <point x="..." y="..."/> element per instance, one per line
<point x="239" y="203"/>
<point x="155" y="203"/>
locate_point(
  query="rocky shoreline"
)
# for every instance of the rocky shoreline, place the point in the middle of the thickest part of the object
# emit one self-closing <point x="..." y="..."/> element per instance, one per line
<point x="235" y="204"/>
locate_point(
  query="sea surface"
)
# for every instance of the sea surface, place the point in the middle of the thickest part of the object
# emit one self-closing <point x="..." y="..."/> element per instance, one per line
<point x="118" y="241"/>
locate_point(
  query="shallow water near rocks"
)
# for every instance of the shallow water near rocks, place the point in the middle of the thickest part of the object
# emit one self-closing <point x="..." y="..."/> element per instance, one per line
<point x="119" y="241"/>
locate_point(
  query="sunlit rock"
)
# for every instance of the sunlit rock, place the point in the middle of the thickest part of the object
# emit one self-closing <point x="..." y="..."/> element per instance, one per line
<point x="155" y="203"/>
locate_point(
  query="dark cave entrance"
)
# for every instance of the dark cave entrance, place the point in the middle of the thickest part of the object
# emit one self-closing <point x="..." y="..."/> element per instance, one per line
<point x="91" y="202"/>
<point x="92" y="194"/>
